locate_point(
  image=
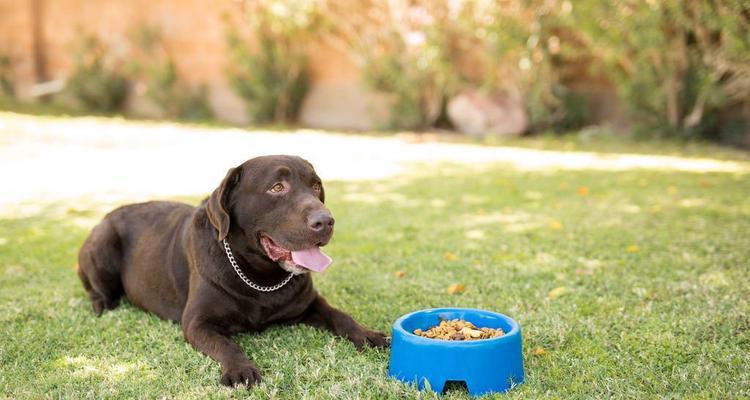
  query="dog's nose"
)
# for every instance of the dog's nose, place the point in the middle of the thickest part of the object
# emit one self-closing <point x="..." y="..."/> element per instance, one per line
<point x="320" y="220"/>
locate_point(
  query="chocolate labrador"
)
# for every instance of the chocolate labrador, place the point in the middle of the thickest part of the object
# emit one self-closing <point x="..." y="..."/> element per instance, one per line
<point x="238" y="262"/>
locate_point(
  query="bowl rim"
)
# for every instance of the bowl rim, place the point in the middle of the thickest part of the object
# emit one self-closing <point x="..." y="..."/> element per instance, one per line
<point x="515" y="327"/>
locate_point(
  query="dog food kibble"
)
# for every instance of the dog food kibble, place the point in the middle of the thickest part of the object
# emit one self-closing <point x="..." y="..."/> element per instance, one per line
<point x="458" y="329"/>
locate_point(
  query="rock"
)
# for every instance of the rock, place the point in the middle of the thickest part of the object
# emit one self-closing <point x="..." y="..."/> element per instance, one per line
<point x="479" y="114"/>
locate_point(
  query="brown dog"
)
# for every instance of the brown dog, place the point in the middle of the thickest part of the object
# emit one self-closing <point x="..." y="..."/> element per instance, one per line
<point x="170" y="259"/>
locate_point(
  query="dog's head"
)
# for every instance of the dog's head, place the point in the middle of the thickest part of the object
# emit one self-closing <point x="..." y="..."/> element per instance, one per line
<point x="273" y="205"/>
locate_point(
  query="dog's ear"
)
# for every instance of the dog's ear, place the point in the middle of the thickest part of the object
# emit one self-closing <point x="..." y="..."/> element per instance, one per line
<point x="217" y="207"/>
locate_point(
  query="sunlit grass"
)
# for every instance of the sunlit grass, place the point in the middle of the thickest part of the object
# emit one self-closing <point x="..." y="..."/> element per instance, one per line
<point x="653" y="267"/>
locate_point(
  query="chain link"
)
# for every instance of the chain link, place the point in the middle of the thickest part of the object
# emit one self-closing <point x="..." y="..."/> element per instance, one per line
<point x="248" y="282"/>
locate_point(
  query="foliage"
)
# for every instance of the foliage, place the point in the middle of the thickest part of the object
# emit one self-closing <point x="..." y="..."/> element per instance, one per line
<point x="415" y="90"/>
<point x="676" y="63"/>
<point x="6" y="83"/>
<point x="270" y="72"/>
<point x="424" y="52"/>
<point x="96" y="83"/>
<point x="402" y="51"/>
<point x="164" y="87"/>
<point x="176" y="99"/>
<point x="544" y="61"/>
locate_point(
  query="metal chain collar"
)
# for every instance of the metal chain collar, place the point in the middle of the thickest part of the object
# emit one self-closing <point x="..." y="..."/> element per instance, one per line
<point x="248" y="282"/>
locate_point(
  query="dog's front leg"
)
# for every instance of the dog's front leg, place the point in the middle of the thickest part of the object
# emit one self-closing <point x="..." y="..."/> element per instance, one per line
<point x="208" y="339"/>
<point x="322" y="315"/>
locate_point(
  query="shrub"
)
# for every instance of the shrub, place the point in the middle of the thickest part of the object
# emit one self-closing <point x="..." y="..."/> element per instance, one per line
<point x="175" y="98"/>
<point x="676" y="63"/>
<point x="271" y="74"/>
<point x="94" y="83"/>
<point x="414" y="85"/>
<point x="273" y="83"/>
<point x="157" y="69"/>
<point x="525" y="53"/>
<point x="403" y="50"/>
<point x="423" y="52"/>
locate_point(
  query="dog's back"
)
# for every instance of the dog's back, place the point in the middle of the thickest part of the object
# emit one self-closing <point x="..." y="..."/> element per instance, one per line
<point x="137" y="250"/>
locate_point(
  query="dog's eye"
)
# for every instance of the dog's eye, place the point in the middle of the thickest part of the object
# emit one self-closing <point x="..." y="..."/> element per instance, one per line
<point x="316" y="187"/>
<point x="277" y="188"/>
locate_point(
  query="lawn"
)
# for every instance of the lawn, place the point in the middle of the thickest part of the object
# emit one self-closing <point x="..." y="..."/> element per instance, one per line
<point x="631" y="284"/>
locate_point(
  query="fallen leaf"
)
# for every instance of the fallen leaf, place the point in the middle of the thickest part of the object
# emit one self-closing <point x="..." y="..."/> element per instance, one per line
<point x="456" y="288"/>
<point x="672" y="189"/>
<point x="632" y="249"/>
<point x="705" y="183"/>
<point x="584" y="272"/>
<point x="583" y="191"/>
<point x="450" y="256"/>
<point x="555" y="225"/>
<point x="399" y="274"/>
<point x="538" y="352"/>
<point x="557" y="292"/>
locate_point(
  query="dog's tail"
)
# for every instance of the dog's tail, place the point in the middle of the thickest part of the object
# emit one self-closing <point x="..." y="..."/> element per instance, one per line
<point x="99" y="264"/>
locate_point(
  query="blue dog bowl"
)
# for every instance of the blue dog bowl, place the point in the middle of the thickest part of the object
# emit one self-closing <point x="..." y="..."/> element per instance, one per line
<point x="485" y="366"/>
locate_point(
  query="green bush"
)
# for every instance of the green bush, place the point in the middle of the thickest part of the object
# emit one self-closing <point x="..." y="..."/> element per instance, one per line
<point x="272" y="82"/>
<point x="416" y="91"/>
<point x="175" y="98"/>
<point x="270" y="72"/>
<point x="156" y="68"/>
<point x="94" y="84"/>
<point x="423" y="52"/>
<point x="677" y="64"/>
<point x="405" y="53"/>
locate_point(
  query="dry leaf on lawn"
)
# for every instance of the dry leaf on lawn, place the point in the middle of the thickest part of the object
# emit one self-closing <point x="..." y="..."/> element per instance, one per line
<point x="456" y="288"/>
<point x="557" y="292"/>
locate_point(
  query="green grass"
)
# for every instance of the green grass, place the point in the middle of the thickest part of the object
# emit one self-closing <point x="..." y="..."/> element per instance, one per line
<point x="670" y="320"/>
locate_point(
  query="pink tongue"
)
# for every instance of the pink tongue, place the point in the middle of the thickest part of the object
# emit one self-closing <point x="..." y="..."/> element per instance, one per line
<point x="313" y="259"/>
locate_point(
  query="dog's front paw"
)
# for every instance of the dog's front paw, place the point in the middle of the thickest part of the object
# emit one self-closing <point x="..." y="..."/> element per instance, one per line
<point x="370" y="338"/>
<point x="241" y="375"/>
